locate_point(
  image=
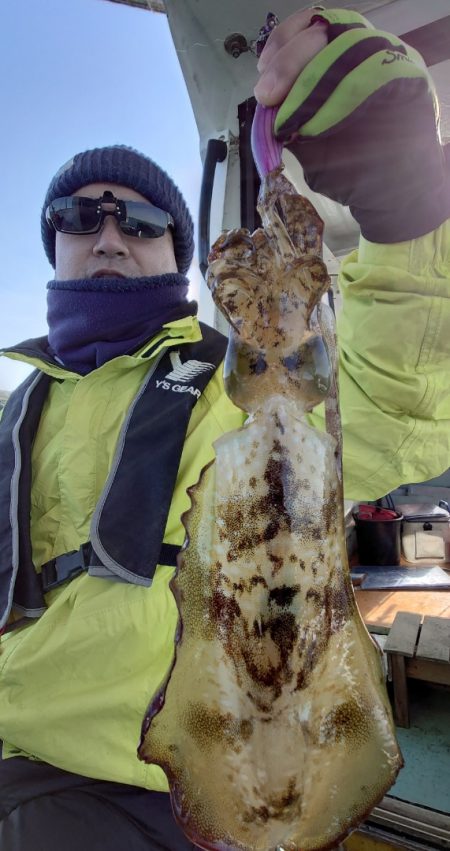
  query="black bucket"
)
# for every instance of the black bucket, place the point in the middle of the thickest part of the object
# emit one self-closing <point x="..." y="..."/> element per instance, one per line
<point x="379" y="541"/>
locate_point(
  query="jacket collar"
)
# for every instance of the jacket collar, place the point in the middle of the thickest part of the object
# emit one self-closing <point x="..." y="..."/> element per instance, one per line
<point x="35" y="351"/>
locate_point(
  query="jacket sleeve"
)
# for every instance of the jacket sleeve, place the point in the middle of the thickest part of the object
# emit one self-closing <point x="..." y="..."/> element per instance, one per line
<point x="394" y="353"/>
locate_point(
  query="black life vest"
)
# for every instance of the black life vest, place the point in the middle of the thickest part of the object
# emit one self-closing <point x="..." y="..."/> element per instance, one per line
<point x="128" y="524"/>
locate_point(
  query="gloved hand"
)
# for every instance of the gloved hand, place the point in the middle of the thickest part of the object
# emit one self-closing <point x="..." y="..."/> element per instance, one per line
<point x="359" y="110"/>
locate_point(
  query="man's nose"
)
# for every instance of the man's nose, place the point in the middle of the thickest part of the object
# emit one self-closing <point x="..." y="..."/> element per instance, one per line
<point x="110" y="240"/>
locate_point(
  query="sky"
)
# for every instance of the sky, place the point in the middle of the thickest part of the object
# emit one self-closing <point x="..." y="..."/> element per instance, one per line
<point x="78" y="74"/>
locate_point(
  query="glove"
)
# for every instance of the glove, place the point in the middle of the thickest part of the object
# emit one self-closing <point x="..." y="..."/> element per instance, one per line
<point x="362" y="119"/>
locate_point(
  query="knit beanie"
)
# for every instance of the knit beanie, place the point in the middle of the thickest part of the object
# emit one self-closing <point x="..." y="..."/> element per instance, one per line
<point x="126" y="166"/>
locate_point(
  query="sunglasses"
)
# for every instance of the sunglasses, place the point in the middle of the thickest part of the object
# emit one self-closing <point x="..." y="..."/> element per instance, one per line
<point x="77" y="215"/>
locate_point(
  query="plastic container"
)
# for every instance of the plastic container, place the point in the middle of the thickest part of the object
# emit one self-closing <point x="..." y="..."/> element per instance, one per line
<point x="378" y="535"/>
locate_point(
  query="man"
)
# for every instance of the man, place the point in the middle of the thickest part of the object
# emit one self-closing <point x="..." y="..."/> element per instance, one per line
<point x="119" y="441"/>
<point x="100" y="446"/>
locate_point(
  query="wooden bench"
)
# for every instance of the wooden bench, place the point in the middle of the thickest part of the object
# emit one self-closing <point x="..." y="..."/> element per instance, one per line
<point x="417" y="648"/>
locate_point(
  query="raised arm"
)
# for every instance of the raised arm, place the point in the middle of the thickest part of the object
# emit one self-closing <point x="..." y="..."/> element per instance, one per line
<point x="358" y="109"/>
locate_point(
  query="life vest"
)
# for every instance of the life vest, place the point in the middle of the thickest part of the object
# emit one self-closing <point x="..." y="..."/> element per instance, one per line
<point x="127" y="526"/>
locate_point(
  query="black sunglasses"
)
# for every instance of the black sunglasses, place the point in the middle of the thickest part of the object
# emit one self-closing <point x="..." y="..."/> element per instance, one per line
<point x="79" y="215"/>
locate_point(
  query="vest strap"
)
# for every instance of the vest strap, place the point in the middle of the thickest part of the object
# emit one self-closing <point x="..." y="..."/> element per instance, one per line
<point x="129" y="522"/>
<point x="67" y="566"/>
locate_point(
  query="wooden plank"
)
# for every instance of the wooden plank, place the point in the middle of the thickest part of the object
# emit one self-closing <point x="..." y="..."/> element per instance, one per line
<point x="430" y="672"/>
<point x="401" y="704"/>
<point x="434" y="641"/>
<point x="379" y="608"/>
<point x="403" y="634"/>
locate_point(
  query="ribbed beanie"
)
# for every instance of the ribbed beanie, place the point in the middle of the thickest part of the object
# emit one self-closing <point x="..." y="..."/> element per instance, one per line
<point x="126" y="166"/>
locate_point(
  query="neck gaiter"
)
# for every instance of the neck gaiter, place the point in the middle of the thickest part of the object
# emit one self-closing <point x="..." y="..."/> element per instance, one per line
<point x="94" y="320"/>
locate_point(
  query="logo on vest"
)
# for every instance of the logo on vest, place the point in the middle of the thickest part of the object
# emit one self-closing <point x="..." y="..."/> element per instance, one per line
<point x="182" y="374"/>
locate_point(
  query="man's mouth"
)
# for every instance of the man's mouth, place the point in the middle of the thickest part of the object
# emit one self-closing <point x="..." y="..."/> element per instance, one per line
<point x="107" y="273"/>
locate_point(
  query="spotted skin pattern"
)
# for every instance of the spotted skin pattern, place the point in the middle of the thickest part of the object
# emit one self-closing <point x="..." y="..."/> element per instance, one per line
<point x="273" y="725"/>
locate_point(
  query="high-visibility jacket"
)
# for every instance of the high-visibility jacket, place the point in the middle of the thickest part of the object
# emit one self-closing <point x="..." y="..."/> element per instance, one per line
<point x="75" y="684"/>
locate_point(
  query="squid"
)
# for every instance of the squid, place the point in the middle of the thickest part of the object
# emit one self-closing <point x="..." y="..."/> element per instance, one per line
<point x="273" y="725"/>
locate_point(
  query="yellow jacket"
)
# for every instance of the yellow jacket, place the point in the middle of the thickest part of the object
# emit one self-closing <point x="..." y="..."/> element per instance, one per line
<point x="74" y="685"/>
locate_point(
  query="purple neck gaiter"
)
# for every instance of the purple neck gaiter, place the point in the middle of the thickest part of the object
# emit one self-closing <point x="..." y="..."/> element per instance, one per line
<point x="94" y="320"/>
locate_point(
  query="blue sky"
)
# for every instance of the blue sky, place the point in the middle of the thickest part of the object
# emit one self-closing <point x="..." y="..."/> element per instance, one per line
<point x="78" y="74"/>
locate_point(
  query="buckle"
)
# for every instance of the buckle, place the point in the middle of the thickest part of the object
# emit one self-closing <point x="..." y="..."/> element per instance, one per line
<point x="64" y="568"/>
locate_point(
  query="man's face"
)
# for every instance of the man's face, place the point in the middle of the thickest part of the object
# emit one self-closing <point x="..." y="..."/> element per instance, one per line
<point x="110" y="251"/>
